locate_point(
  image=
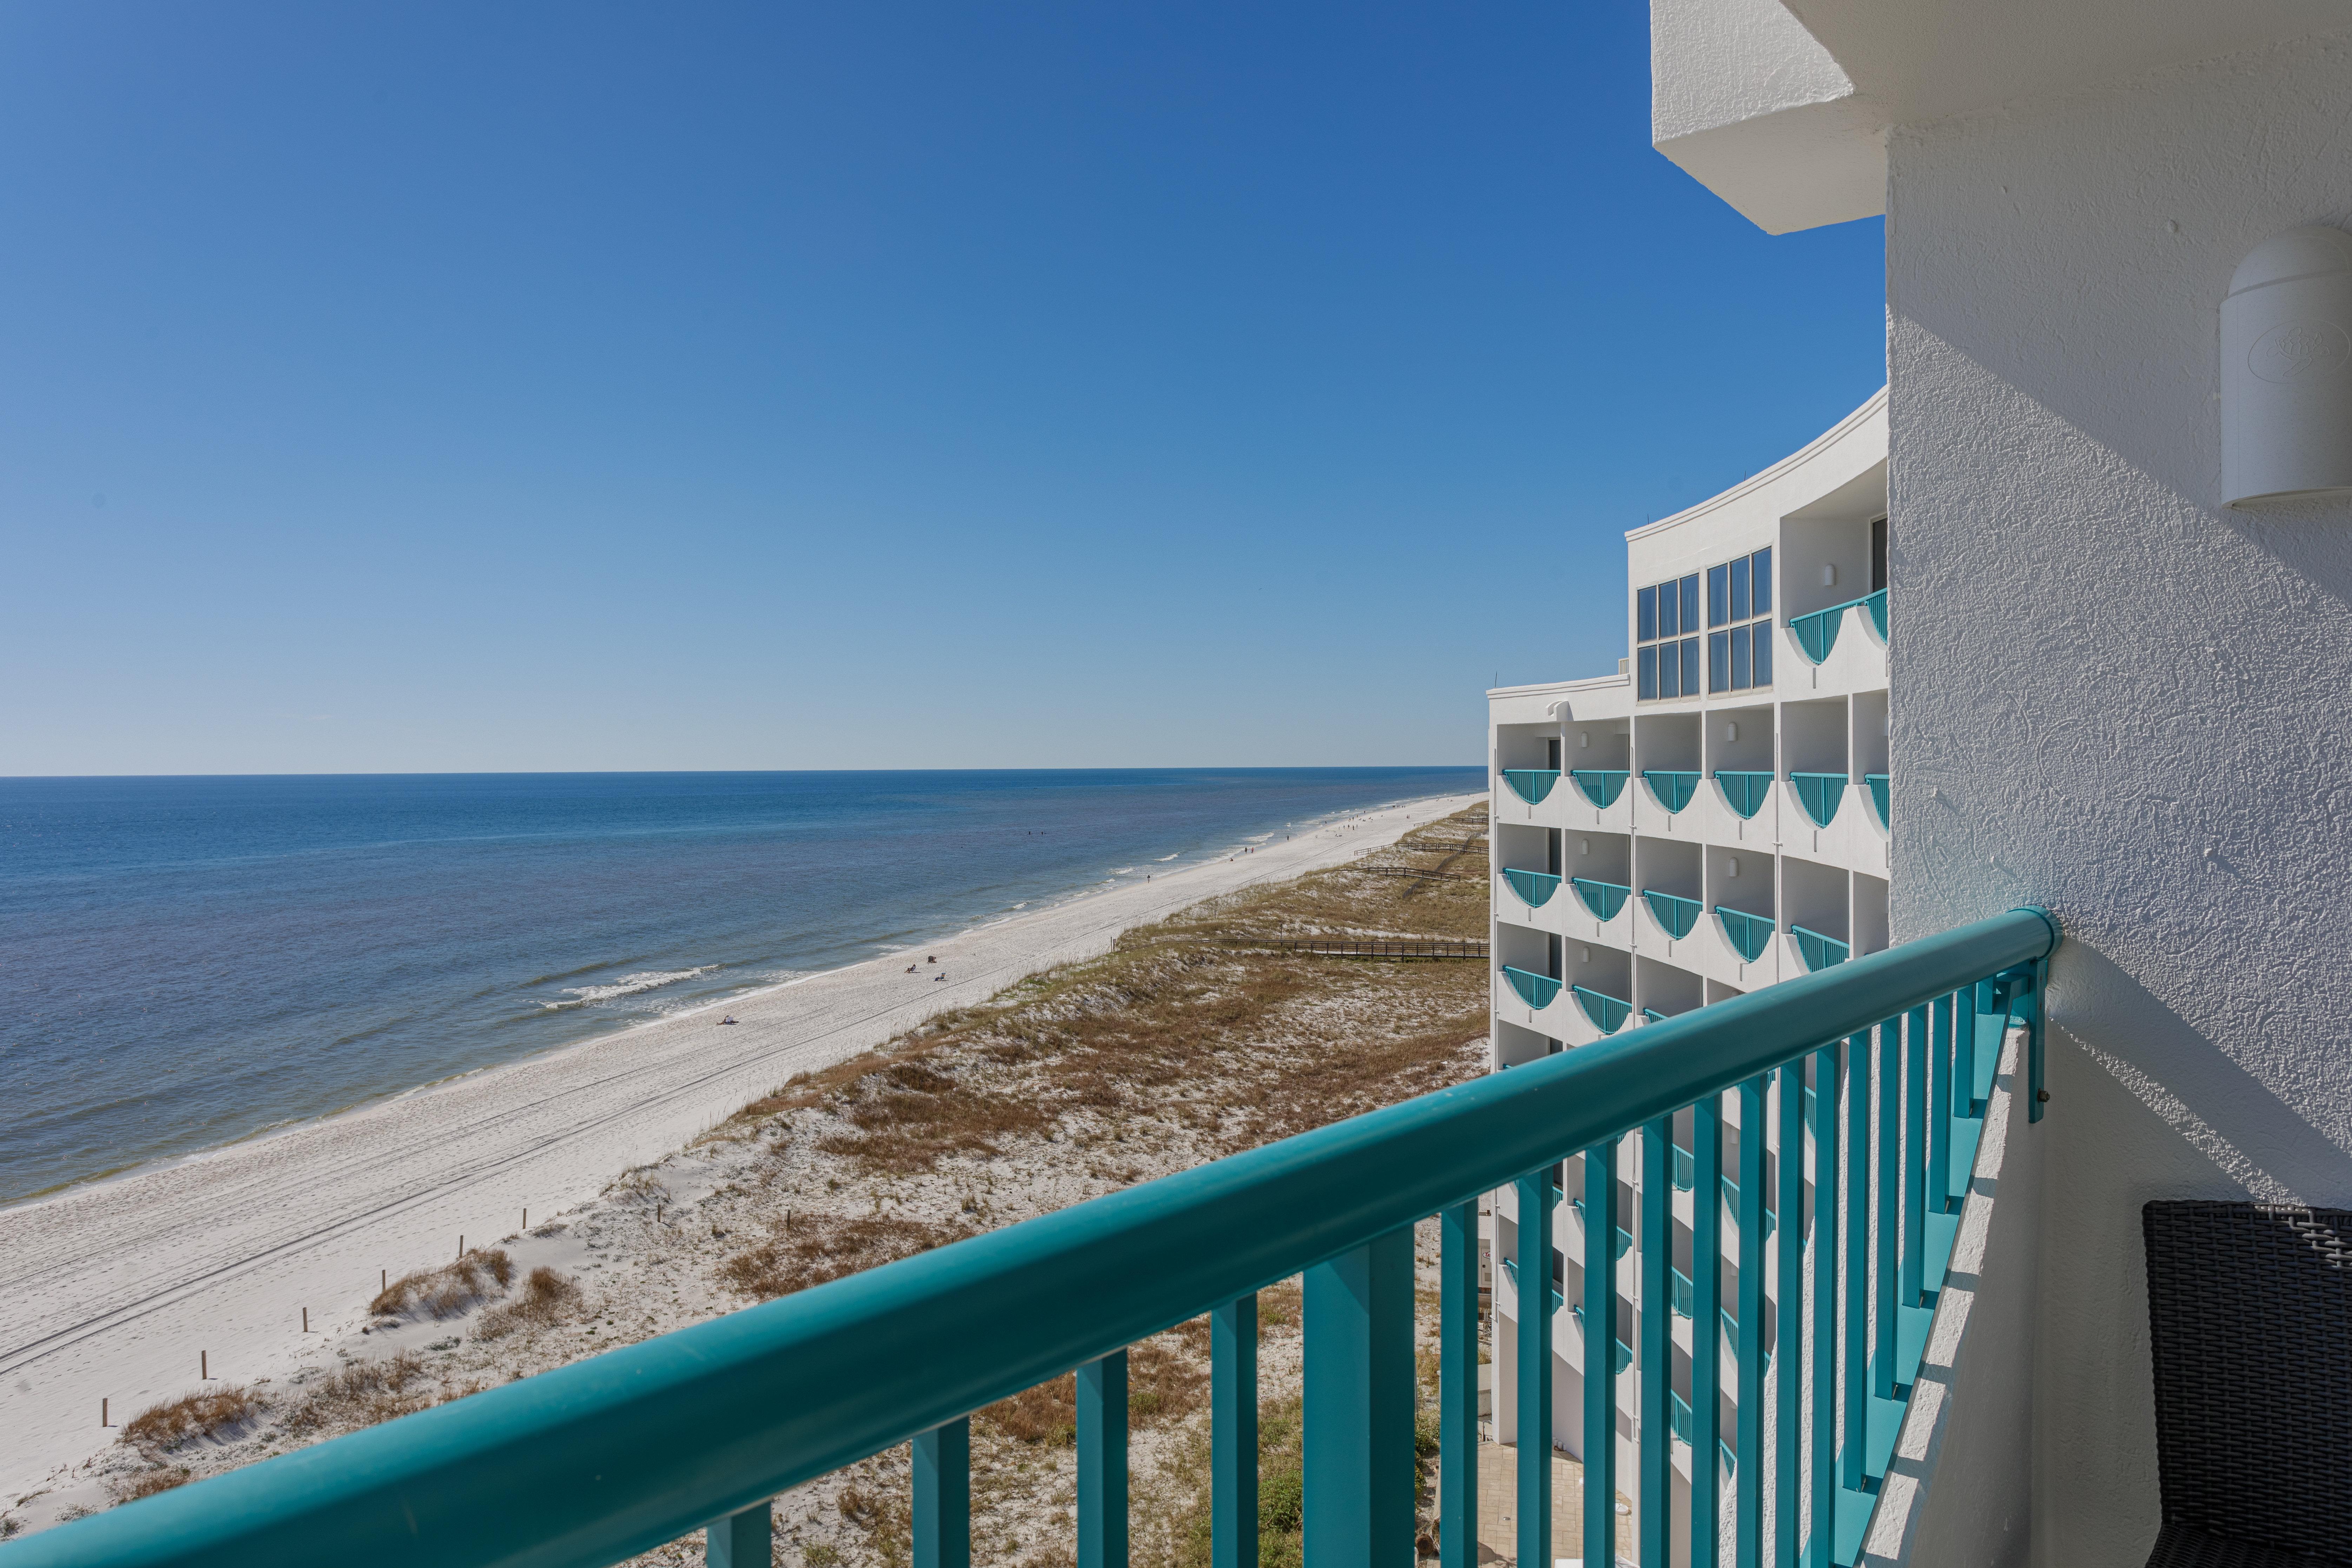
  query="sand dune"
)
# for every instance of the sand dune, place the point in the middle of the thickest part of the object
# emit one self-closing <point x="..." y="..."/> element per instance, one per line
<point x="113" y="1290"/>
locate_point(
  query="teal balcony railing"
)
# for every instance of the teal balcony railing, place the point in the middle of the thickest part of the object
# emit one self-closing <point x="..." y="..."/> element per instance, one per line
<point x="1624" y="1237"/>
<point x="1818" y="952"/>
<point x="1819" y="794"/>
<point x="1601" y="786"/>
<point x="696" y="1431"/>
<point x="1678" y="915"/>
<point x="1652" y="1016"/>
<point x="1624" y="1352"/>
<point x="1878" y="785"/>
<point x="1511" y="1272"/>
<point x="1608" y="1013"/>
<point x="1535" y="889"/>
<point x="1748" y="934"/>
<point x="1686" y="1301"/>
<point x="1603" y="899"/>
<point x="1818" y="633"/>
<point x="1536" y="990"/>
<point x="1744" y="792"/>
<point x="1671" y="790"/>
<point x="1531" y="785"/>
<point x="1685" y="1173"/>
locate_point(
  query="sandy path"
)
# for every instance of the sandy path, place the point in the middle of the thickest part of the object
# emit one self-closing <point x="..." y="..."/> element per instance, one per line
<point x="111" y="1291"/>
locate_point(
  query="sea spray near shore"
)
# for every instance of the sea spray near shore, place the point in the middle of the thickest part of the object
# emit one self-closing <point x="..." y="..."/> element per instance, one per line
<point x="187" y="962"/>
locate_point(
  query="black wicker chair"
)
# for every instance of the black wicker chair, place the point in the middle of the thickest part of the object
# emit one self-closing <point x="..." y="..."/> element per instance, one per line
<point x="2249" y="1319"/>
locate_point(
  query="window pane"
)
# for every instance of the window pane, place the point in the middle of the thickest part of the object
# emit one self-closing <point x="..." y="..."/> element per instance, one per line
<point x="1738" y="570"/>
<point x="1690" y="603"/>
<point x="1761" y="660"/>
<point x="1763" y="592"/>
<point x="1718" y="589"/>
<point x="1670" y="622"/>
<point x="1646" y="614"/>
<point x="1670" y="671"/>
<point x="1649" y="687"/>
<point x="1690" y="659"/>
<point x="1718" y="660"/>
<point x="1740" y="658"/>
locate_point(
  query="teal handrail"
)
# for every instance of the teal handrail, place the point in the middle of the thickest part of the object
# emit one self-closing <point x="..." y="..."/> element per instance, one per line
<point x="1744" y="792"/>
<point x="1817" y="633"/>
<point x="1531" y="785"/>
<point x="1685" y="1297"/>
<point x="1678" y="915"/>
<point x="1535" y="889"/>
<point x="1652" y="1016"/>
<point x="1876" y="604"/>
<point x="1671" y="790"/>
<point x="1603" y="899"/>
<point x="1608" y="1013"/>
<point x="1818" y="952"/>
<point x="1820" y="794"/>
<point x="1748" y="934"/>
<point x="1878" y="785"/>
<point x="1536" y="990"/>
<point x="616" y="1454"/>
<point x="1601" y="786"/>
<point x="1686" y="1173"/>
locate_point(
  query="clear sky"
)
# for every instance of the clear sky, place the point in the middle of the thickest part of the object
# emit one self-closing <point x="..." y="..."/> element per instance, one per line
<point x="419" y="386"/>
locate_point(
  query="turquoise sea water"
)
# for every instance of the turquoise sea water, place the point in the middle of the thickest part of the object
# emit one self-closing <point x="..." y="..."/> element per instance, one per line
<point x="184" y="962"/>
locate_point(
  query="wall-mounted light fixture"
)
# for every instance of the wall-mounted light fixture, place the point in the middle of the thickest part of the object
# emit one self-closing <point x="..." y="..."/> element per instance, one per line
<point x="2286" y="369"/>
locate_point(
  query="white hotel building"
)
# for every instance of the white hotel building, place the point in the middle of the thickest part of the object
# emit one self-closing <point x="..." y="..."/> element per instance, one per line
<point x="1710" y="818"/>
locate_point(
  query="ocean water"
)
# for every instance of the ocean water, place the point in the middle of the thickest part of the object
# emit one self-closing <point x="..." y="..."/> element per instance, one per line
<point x="186" y="961"/>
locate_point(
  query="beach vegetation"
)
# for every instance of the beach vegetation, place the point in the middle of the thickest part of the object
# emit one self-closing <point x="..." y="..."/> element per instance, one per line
<point x="813" y="1249"/>
<point x="547" y="1297"/>
<point x="361" y="1394"/>
<point x="213" y="1414"/>
<point x="147" y="1483"/>
<point x="446" y="1292"/>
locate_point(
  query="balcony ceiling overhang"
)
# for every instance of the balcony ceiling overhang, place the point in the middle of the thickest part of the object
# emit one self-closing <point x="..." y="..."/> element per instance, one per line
<point x="1781" y="106"/>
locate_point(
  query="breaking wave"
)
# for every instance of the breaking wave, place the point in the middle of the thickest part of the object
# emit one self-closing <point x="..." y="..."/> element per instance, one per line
<point x="627" y="985"/>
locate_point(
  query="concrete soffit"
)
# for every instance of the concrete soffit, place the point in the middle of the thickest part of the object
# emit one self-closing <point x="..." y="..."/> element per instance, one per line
<point x="1783" y="107"/>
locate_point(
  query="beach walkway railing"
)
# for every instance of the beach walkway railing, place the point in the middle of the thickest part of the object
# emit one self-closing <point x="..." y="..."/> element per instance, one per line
<point x="697" y="1430"/>
<point x="1343" y="947"/>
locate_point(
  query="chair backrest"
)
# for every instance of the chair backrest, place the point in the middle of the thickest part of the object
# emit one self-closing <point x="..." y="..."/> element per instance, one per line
<point x="2249" y="1319"/>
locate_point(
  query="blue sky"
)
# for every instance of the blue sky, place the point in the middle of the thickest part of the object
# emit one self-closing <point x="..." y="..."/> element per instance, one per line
<point x="416" y="387"/>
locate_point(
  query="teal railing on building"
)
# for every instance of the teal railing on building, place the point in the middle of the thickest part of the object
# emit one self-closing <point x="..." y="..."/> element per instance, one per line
<point x="1819" y="794"/>
<point x="1624" y="1357"/>
<point x="1624" y="1237"/>
<point x="1601" y="786"/>
<point x="1818" y="952"/>
<point x="1748" y="934"/>
<point x="1535" y="889"/>
<point x="696" y="1430"/>
<point x="1603" y="899"/>
<point x="1678" y="915"/>
<point x="1744" y="792"/>
<point x="1878" y="785"/>
<point x="1686" y="1173"/>
<point x="1608" y="1013"/>
<point x="1652" y="1016"/>
<point x="1536" y="990"/>
<point x="1670" y="789"/>
<point x="1511" y="1270"/>
<point x="1531" y="785"/>
<point x="1818" y="631"/>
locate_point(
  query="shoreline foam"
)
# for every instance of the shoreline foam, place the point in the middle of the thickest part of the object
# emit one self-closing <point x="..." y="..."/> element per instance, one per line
<point x="112" y="1290"/>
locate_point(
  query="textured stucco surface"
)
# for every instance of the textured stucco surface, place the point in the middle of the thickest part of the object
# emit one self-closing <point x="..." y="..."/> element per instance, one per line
<point x="2119" y="699"/>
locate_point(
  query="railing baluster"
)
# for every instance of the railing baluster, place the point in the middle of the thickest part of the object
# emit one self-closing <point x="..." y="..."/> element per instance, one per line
<point x="1359" y="1408"/>
<point x="1102" y="1462"/>
<point x="1915" y="1160"/>
<point x="1884" y="1191"/>
<point x="1788" y="1310"/>
<point x="1232" y="1428"/>
<point x="1940" y="1104"/>
<point x="1707" y="1325"/>
<point x="942" y="1497"/>
<point x="1534" y="1393"/>
<point x="1655" y="1485"/>
<point x="738" y="1541"/>
<point x="1748" y="1479"/>
<point x="1600" y="1353"/>
<point x="1826" y="1215"/>
<point x="1457" y="1391"/>
<point x="1855" y="1216"/>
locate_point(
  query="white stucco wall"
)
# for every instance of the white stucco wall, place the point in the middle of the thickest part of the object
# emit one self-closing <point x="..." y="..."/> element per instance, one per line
<point x="2119" y="699"/>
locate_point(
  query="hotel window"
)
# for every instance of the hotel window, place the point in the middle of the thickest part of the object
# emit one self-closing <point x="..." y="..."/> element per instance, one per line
<point x="1667" y="626"/>
<point x="1739" y="648"/>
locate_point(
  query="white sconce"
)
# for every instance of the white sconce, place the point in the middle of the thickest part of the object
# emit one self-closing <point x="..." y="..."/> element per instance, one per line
<point x="1583" y="739"/>
<point x="1731" y="865"/>
<point x="1731" y="730"/>
<point x="1829" y="577"/>
<point x="2286" y="369"/>
<point x="1588" y="954"/>
<point x="1587" y="847"/>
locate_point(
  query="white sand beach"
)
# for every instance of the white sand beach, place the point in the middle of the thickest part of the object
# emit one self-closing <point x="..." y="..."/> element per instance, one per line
<point x="121" y="1290"/>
